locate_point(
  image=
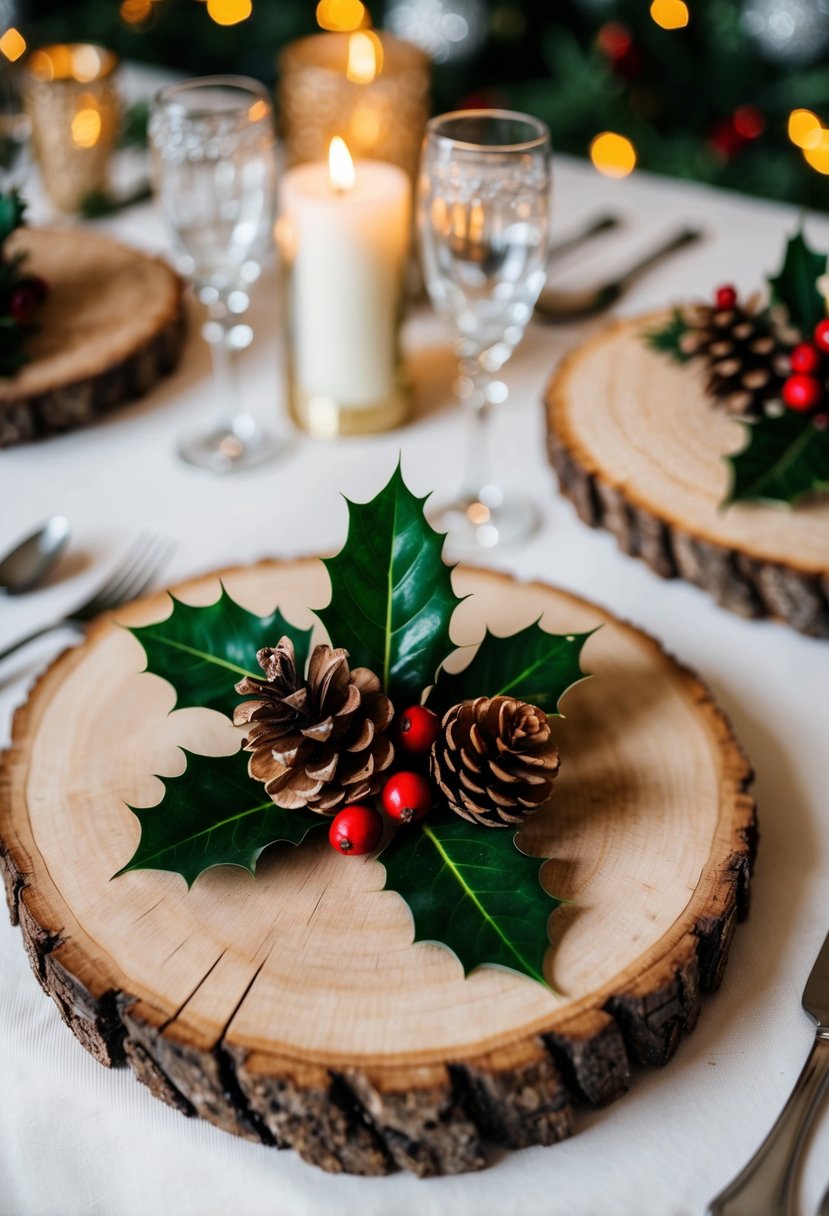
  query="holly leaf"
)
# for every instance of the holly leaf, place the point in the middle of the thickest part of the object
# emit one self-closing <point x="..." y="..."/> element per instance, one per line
<point x="795" y="287"/>
<point x="783" y="459"/>
<point x="471" y="890"/>
<point x="213" y="815"/>
<point x="204" y="651"/>
<point x="391" y="593"/>
<point x="12" y="212"/>
<point x="531" y="665"/>
<point x="667" y="338"/>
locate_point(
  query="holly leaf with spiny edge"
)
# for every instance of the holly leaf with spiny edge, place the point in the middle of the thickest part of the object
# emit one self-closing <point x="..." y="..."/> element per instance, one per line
<point x="795" y="287"/>
<point x="784" y="459"/>
<point x="204" y="651"/>
<point x="531" y="665"/>
<point x="391" y="592"/>
<point x="471" y="890"/>
<point x="213" y="815"/>
<point x="667" y="338"/>
<point x="12" y="213"/>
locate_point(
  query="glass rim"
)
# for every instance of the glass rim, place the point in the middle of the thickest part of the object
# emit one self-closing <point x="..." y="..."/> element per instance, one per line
<point x="245" y="85"/>
<point x="539" y="140"/>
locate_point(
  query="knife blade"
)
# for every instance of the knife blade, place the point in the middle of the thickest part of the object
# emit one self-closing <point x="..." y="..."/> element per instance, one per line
<point x="765" y="1187"/>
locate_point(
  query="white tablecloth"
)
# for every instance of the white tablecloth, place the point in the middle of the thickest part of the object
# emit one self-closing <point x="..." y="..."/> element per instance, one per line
<point x="76" y="1139"/>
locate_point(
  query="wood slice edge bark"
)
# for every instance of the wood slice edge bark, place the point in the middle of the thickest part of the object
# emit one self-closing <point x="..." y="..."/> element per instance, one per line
<point x="66" y="407"/>
<point x="432" y="1119"/>
<point x="738" y="581"/>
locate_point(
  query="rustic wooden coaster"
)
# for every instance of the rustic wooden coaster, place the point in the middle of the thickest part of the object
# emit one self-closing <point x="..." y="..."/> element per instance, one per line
<point x="111" y="328"/>
<point x="638" y="447"/>
<point x="293" y="1008"/>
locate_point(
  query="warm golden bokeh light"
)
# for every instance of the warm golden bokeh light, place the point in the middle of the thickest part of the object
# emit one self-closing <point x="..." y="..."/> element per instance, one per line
<point x="86" y="63"/>
<point x="342" y="15"/>
<point x="229" y="12"/>
<point x="86" y="128"/>
<point x="804" y="128"/>
<point x="613" y="155"/>
<point x="817" y="153"/>
<point x="135" y="11"/>
<point x="365" y="57"/>
<point x="12" y="44"/>
<point x="670" y="14"/>
<point x="340" y="166"/>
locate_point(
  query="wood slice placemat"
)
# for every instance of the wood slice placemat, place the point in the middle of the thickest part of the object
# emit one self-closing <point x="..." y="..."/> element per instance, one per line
<point x="111" y="328"/>
<point x="638" y="447"/>
<point x="294" y="1008"/>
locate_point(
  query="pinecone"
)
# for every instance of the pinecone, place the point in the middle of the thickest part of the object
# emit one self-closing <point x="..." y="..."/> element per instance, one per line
<point x="317" y="743"/>
<point x="494" y="760"/>
<point x="746" y="353"/>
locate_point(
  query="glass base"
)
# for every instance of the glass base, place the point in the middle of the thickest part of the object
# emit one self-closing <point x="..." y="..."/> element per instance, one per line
<point x="480" y="523"/>
<point x="232" y="450"/>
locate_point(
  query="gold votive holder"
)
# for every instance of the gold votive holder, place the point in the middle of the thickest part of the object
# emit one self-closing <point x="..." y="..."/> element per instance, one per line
<point x="371" y="89"/>
<point x="70" y="96"/>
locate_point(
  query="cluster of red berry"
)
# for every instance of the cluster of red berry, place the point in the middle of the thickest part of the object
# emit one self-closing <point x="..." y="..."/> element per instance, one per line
<point x="25" y="297"/>
<point x="806" y="388"/>
<point x="406" y="795"/>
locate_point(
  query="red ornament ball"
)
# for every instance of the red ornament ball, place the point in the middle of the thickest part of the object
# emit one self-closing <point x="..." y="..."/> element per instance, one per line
<point x="821" y="335"/>
<point x="407" y="797"/>
<point x="806" y="359"/>
<point x="802" y="392"/>
<point x="726" y="297"/>
<point x="417" y="729"/>
<point x="355" y="830"/>
<point x="22" y="304"/>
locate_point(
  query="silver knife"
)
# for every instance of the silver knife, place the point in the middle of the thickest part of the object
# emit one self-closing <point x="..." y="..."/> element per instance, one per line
<point x="766" y="1186"/>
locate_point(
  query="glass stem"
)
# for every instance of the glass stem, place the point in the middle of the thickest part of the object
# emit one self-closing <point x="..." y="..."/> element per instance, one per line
<point x="472" y="386"/>
<point x="222" y="332"/>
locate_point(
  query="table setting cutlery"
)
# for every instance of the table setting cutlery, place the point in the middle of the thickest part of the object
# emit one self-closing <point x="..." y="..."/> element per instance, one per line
<point x="765" y="1187"/>
<point x="559" y="307"/>
<point x="593" y="228"/>
<point x="132" y="576"/>
<point x="26" y="565"/>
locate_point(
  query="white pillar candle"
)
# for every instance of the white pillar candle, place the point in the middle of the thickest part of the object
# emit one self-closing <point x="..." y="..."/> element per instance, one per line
<point x="344" y="231"/>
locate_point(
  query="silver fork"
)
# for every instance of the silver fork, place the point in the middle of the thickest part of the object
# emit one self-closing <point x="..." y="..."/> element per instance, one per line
<point x="132" y="576"/>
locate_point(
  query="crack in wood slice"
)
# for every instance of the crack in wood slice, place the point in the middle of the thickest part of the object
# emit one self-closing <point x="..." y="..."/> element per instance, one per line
<point x="429" y="1119"/>
<point x="673" y="548"/>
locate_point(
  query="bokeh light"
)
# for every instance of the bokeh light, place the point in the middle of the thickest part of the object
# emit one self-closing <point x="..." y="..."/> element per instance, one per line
<point x="613" y="155"/>
<point x="670" y="14"/>
<point x="12" y="44"/>
<point x="229" y="12"/>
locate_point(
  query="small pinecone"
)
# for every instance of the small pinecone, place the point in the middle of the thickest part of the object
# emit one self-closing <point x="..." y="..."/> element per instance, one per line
<point x="317" y="743"/>
<point x="746" y="355"/>
<point x="494" y="760"/>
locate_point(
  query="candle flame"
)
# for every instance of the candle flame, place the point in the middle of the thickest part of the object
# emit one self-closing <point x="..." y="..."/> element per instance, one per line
<point x="340" y="166"/>
<point x="365" y="57"/>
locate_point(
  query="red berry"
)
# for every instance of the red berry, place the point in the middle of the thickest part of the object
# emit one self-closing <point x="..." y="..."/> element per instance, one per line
<point x="821" y="335"/>
<point x="37" y="286"/>
<point x="726" y="297"/>
<point x="417" y="729"/>
<point x="407" y="797"/>
<point x="22" y="304"/>
<point x="802" y="392"/>
<point x="355" y="830"/>
<point x="805" y="358"/>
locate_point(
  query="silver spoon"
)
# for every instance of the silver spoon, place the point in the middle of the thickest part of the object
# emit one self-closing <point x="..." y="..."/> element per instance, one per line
<point x="561" y="306"/>
<point x="29" y="562"/>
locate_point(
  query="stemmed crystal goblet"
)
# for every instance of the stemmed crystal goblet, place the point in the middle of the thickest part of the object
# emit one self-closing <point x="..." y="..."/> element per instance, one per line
<point x="214" y="169"/>
<point x="483" y="220"/>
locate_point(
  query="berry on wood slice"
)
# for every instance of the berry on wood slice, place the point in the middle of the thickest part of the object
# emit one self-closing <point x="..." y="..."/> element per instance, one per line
<point x="355" y="830"/>
<point x="417" y="729"/>
<point x="407" y="797"/>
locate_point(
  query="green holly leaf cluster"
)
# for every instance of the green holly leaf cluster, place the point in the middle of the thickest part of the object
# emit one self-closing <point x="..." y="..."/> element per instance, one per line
<point x="12" y="334"/>
<point x="784" y="458"/>
<point x="391" y="605"/>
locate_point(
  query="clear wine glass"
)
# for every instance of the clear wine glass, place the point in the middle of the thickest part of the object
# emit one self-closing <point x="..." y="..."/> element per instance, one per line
<point x="483" y="219"/>
<point x="214" y="168"/>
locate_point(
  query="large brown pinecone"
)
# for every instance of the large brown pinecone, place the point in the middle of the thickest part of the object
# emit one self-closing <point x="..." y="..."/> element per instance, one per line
<point x="317" y="743"/>
<point x="746" y="353"/>
<point x="494" y="760"/>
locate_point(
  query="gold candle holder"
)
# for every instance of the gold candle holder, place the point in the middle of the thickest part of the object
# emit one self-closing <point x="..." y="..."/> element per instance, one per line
<point x="370" y="89"/>
<point x="71" y="98"/>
